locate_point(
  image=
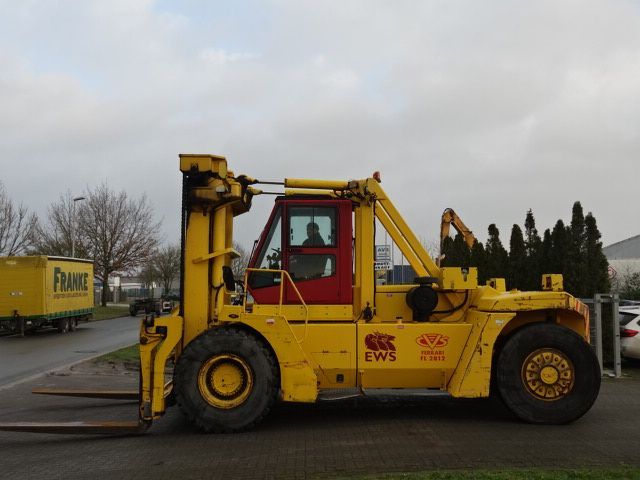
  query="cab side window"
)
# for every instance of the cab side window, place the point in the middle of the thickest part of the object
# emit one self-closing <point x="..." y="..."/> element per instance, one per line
<point x="312" y="240"/>
<point x="312" y="227"/>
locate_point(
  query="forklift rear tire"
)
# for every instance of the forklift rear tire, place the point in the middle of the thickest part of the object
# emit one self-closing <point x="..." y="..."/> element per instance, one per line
<point x="226" y="380"/>
<point x="547" y="374"/>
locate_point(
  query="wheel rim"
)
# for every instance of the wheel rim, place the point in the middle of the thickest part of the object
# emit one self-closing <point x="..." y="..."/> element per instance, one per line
<point x="548" y="374"/>
<point x="225" y="381"/>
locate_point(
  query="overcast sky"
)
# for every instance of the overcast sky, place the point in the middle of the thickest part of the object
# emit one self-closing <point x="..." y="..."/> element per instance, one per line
<point x="491" y="108"/>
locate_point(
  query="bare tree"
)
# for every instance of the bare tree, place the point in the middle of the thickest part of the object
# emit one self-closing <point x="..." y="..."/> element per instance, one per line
<point x="118" y="232"/>
<point x="17" y="226"/>
<point x="55" y="237"/>
<point x="167" y="265"/>
<point x="431" y="245"/>
<point x="239" y="265"/>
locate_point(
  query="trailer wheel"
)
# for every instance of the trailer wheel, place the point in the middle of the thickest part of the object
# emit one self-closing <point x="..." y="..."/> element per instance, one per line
<point x="547" y="374"/>
<point x="73" y="324"/>
<point x="226" y="381"/>
<point x="62" y="325"/>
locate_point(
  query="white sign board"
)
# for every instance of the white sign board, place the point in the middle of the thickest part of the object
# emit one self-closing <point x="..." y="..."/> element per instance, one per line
<point x="383" y="252"/>
<point x="383" y="265"/>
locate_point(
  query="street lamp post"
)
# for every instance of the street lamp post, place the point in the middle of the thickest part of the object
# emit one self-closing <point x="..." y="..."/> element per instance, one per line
<point x="73" y="226"/>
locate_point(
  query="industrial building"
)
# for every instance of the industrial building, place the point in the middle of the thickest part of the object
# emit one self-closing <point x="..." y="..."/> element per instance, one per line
<point x="623" y="257"/>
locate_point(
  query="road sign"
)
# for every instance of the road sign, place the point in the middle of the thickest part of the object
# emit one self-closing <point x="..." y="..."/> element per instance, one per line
<point x="383" y="265"/>
<point x="383" y="252"/>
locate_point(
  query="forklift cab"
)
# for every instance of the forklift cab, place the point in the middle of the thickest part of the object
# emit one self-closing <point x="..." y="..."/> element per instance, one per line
<point x="311" y="239"/>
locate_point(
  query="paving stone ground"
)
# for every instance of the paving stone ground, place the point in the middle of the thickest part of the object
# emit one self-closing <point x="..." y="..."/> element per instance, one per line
<point x="364" y="436"/>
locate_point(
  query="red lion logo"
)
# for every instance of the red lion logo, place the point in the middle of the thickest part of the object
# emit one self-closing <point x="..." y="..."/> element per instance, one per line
<point x="380" y="342"/>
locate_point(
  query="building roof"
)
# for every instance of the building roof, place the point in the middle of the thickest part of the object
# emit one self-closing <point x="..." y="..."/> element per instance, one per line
<point x="628" y="249"/>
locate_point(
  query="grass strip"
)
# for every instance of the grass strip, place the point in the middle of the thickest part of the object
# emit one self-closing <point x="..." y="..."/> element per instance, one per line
<point x="618" y="473"/>
<point x="107" y="313"/>
<point x="125" y="355"/>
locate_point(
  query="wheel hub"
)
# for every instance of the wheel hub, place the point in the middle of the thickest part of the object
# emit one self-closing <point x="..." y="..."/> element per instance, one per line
<point x="225" y="381"/>
<point x="548" y="374"/>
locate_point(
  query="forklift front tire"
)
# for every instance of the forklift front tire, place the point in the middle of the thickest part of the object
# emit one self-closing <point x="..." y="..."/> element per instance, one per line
<point x="226" y="380"/>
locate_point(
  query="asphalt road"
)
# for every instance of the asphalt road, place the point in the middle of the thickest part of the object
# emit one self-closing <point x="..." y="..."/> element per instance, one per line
<point x="46" y="350"/>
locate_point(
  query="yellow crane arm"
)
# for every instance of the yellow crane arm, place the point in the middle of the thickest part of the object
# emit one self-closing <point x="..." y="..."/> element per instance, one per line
<point x="449" y="217"/>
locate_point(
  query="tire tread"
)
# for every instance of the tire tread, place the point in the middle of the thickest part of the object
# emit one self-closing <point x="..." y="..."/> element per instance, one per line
<point x="525" y="406"/>
<point x="199" y="347"/>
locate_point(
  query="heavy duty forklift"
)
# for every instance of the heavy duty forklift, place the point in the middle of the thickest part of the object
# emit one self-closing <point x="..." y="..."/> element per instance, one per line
<point x="311" y="323"/>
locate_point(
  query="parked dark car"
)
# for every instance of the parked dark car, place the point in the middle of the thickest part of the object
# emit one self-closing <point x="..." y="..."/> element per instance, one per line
<point x="146" y="305"/>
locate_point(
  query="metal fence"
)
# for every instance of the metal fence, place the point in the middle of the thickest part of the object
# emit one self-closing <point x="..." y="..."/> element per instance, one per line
<point x="605" y="332"/>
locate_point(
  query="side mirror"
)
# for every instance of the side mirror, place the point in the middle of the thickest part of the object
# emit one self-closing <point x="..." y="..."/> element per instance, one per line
<point x="228" y="279"/>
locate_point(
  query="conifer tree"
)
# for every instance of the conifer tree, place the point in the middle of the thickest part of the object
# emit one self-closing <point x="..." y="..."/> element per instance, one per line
<point x="447" y="253"/>
<point x="558" y="252"/>
<point x="479" y="259"/>
<point x="517" y="259"/>
<point x="533" y="247"/>
<point x="545" y="253"/>
<point x="596" y="266"/>
<point x="457" y="252"/>
<point x="497" y="257"/>
<point x="574" y="275"/>
<point x="463" y="253"/>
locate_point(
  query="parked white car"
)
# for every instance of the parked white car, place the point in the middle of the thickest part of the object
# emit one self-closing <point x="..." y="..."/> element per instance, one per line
<point x="630" y="332"/>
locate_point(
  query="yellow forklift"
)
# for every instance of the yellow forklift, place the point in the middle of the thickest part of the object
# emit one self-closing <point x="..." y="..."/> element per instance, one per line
<point x="308" y="321"/>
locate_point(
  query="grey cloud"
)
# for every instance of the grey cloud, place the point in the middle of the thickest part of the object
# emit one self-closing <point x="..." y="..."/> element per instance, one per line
<point x="488" y="107"/>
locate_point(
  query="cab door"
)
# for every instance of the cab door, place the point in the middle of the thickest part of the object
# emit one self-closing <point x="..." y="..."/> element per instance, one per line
<point x="311" y="240"/>
<point x="318" y="252"/>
